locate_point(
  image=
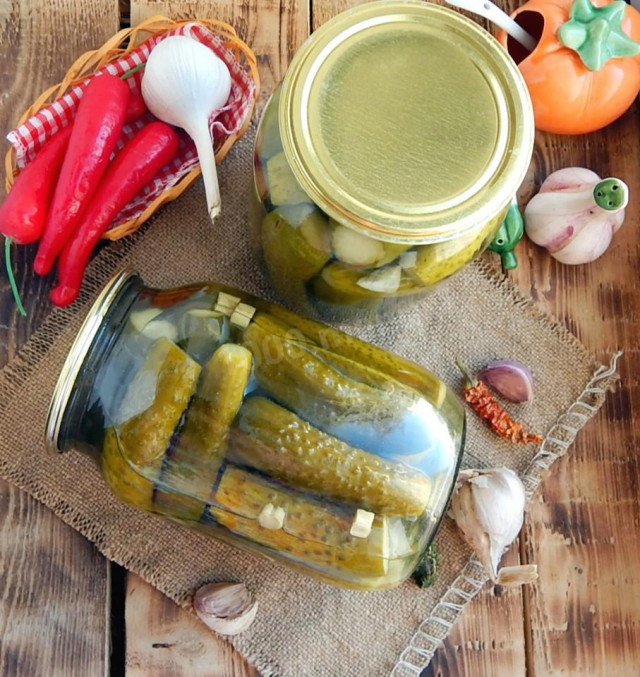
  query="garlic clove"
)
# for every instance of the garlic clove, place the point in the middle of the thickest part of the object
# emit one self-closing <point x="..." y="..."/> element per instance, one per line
<point x="139" y="319"/>
<point x="226" y="608"/>
<point x="511" y="379"/>
<point x="520" y="574"/>
<point x="488" y="507"/>
<point x="590" y="243"/>
<point x="383" y="281"/>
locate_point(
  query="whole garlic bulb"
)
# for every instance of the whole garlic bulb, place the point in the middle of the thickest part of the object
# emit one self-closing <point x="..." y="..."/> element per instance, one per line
<point x="488" y="507"/>
<point x="227" y="608"/>
<point x="575" y="214"/>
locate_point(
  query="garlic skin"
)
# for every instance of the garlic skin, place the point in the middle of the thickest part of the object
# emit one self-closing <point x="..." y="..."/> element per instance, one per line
<point x="575" y="214"/>
<point x="512" y="379"/>
<point x="488" y="507"/>
<point x="226" y="608"/>
<point x="183" y="84"/>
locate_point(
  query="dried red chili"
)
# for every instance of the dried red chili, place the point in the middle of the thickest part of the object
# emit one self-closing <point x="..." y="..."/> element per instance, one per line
<point x="484" y="403"/>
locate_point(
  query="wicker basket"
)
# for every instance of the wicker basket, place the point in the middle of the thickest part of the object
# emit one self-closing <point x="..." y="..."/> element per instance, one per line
<point x="118" y="46"/>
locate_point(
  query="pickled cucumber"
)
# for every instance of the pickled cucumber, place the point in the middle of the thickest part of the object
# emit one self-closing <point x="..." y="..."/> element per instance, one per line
<point x="155" y="400"/>
<point x="269" y="142"/>
<point x="295" y="252"/>
<point x="283" y="187"/>
<point x="138" y="490"/>
<point x="294" y="374"/>
<point x="193" y="464"/>
<point x="338" y="284"/>
<point x="366" y="373"/>
<point x="283" y="445"/>
<point x="310" y="531"/>
<point x="127" y="484"/>
<point x="437" y="261"/>
<point x="426" y="383"/>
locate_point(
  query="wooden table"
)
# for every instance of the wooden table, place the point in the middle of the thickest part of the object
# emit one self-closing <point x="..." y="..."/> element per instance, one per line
<point x="65" y="610"/>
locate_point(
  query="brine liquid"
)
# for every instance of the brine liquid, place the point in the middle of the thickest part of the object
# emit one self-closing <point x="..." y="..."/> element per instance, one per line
<point x="274" y="432"/>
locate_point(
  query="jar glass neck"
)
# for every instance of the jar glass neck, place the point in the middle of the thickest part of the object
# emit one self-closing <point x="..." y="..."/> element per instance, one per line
<point x="79" y="428"/>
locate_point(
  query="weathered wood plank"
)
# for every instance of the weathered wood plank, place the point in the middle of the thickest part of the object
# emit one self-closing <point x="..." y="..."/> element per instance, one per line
<point x="489" y="639"/>
<point x="172" y="642"/>
<point x="583" y="528"/>
<point x="53" y="583"/>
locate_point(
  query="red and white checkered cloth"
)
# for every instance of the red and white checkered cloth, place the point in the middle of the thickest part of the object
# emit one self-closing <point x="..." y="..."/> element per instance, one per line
<point x="32" y="134"/>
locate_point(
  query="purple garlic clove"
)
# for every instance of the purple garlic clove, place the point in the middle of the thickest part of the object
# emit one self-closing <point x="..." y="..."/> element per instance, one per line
<point x="511" y="379"/>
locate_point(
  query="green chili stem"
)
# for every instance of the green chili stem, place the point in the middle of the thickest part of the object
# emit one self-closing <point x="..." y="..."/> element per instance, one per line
<point x="12" y="279"/>
<point x="132" y="71"/>
<point x="471" y="382"/>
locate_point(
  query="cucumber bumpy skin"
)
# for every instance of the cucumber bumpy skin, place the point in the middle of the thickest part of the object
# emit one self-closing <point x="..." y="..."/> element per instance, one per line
<point x="294" y="255"/>
<point x="171" y="376"/>
<point x="408" y="373"/>
<point x="311" y="531"/>
<point x="193" y="464"/>
<point x="297" y="377"/>
<point x="138" y="490"/>
<point x="278" y="442"/>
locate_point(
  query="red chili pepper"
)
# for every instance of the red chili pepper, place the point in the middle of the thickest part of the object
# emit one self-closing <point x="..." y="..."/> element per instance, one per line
<point x="23" y="213"/>
<point x="484" y="403"/>
<point x="136" y="107"/>
<point x="131" y="170"/>
<point x="96" y="128"/>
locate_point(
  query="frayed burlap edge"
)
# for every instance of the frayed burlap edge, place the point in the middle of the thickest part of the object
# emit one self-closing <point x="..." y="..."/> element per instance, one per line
<point x="433" y="630"/>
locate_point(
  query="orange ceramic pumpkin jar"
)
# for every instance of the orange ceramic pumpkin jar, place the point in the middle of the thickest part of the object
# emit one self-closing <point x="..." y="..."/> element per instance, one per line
<point x="584" y="72"/>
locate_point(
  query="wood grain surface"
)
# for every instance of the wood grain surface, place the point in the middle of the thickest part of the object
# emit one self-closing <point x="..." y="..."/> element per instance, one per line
<point x="583" y="528"/>
<point x="54" y="585"/>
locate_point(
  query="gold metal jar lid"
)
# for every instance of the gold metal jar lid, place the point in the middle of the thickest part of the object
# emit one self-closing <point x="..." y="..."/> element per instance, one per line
<point x="406" y="120"/>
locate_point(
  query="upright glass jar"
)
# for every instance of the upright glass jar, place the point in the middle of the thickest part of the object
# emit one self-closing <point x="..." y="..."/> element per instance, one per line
<point x="387" y="159"/>
<point x="276" y="433"/>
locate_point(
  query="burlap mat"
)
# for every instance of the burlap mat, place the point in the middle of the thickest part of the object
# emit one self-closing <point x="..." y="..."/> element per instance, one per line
<point x="303" y="627"/>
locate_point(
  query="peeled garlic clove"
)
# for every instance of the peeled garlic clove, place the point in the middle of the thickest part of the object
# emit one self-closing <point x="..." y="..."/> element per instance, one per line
<point x="139" y="319"/>
<point x="383" y="281"/>
<point x="355" y="249"/>
<point x="226" y="608"/>
<point x="511" y="379"/>
<point x="488" y="507"/>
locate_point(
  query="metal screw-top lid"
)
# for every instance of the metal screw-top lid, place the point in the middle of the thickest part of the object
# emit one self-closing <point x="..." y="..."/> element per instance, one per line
<point x="406" y="120"/>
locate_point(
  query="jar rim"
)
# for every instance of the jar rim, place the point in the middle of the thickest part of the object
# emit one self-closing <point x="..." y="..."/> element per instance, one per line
<point x="77" y="356"/>
<point x="340" y="176"/>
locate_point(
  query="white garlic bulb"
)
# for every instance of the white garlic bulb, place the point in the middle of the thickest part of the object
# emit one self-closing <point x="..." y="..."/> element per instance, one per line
<point x="183" y="84"/>
<point x="488" y="507"/>
<point x="575" y="214"/>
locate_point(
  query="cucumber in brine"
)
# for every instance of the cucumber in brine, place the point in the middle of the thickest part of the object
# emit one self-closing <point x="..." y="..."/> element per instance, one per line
<point x="276" y="441"/>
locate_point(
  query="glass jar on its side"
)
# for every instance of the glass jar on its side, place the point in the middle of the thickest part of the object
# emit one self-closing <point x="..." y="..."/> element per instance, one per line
<point x="238" y="418"/>
<point x="387" y="159"/>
